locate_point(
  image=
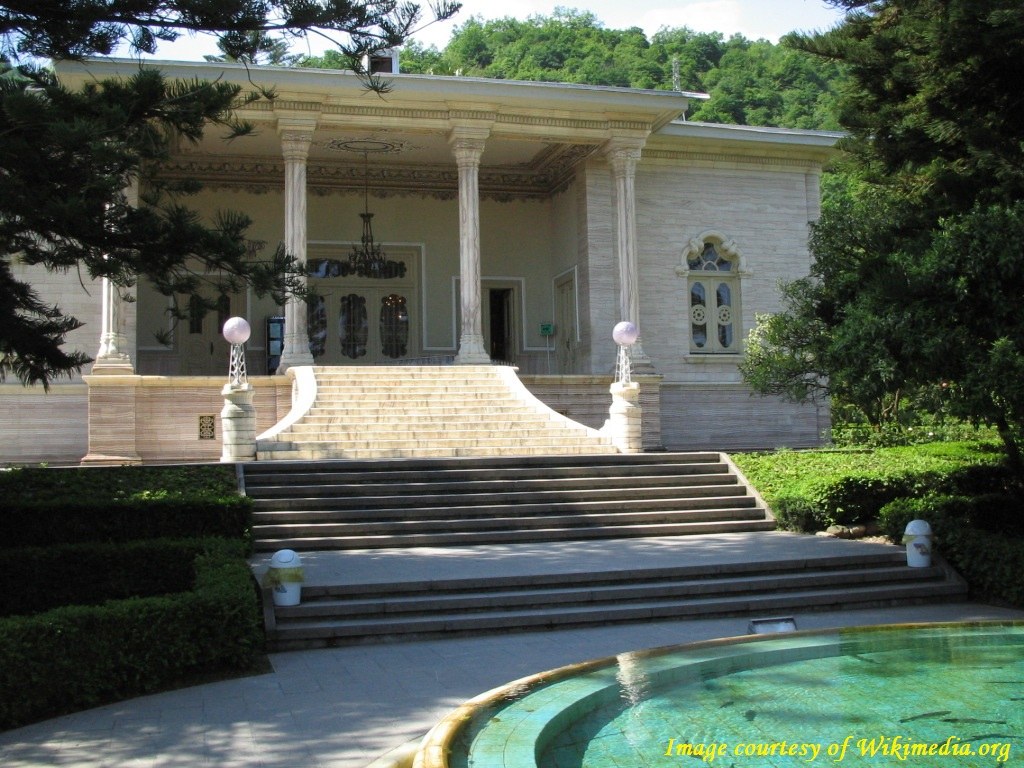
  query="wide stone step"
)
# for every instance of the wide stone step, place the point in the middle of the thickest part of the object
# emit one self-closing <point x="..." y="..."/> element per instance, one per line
<point x="499" y="417"/>
<point x="315" y="452"/>
<point x="682" y="586"/>
<point x="620" y="463"/>
<point x="410" y="390"/>
<point x="461" y="507"/>
<point x="524" y="501"/>
<point x="489" y="467"/>
<point x="522" y="535"/>
<point x="365" y="524"/>
<point x="439" y="434"/>
<point x="270" y="487"/>
<point x="457" y="446"/>
<point x="312" y="633"/>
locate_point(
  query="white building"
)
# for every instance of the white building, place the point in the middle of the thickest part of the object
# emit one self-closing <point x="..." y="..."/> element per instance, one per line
<point x="530" y="219"/>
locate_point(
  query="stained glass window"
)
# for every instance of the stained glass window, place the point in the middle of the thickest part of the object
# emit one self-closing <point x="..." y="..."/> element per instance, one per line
<point x="714" y="291"/>
<point x="698" y="315"/>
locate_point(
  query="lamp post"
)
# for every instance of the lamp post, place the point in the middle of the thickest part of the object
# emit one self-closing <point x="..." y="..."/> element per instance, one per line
<point x="238" y="417"/>
<point x="624" y="424"/>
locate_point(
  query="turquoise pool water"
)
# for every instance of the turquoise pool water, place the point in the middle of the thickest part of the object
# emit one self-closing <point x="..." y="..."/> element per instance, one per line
<point x="931" y="695"/>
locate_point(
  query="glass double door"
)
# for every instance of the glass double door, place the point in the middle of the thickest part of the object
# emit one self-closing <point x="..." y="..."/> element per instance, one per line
<point x="352" y="324"/>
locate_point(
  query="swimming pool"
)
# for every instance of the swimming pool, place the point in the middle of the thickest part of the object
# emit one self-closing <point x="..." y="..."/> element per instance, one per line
<point x="926" y="695"/>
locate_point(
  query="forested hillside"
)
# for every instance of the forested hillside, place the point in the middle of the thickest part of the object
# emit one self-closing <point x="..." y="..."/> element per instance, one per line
<point x="750" y="82"/>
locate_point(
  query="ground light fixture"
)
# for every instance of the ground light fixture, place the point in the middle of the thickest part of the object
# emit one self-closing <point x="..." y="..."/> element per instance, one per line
<point x="771" y="626"/>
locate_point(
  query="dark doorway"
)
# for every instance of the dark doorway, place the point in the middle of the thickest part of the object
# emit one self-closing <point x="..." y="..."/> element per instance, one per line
<point x="500" y="324"/>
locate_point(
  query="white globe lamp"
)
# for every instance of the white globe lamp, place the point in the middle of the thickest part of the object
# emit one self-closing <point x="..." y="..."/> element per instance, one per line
<point x="625" y="334"/>
<point x="237" y="331"/>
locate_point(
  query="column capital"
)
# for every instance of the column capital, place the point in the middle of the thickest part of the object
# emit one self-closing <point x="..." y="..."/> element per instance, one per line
<point x="296" y="138"/>
<point x="468" y="145"/>
<point x="624" y="154"/>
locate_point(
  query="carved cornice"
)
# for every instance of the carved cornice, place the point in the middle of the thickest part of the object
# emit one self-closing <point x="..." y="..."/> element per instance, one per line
<point x="549" y="121"/>
<point x="684" y="157"/>
<point x="416" y="116"/>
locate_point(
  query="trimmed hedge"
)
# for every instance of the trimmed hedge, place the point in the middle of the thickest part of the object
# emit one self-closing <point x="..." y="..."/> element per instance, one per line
<point x="811" y="490"/>
<point x="42" y="507"/>
<point x="76" y="657"/>
<point x="91" y="574"/>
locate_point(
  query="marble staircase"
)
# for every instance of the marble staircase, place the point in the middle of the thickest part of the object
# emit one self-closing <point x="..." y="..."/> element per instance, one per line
<point x="373" y="412"/>
<point x="491" y="500"/>
<point x="405" y="548"/>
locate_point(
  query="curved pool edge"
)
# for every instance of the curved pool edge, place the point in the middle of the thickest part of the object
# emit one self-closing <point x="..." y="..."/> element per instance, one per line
<point x="436" y="746"/>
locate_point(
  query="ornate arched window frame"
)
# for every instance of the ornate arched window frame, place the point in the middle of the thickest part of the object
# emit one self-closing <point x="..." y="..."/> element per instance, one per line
<point x="713" y="305"/>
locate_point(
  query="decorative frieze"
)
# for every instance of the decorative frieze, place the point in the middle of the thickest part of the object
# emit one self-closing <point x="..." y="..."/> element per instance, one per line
<point x="547" y="173"/>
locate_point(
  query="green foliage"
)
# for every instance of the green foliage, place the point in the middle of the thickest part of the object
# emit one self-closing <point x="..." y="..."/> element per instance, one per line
<point x="750" y="83"/>
<point x="931" y="101"/>
<point x="242" y="27"/>
<point x="40" y="507"/>
<point x="66" y="161"/>
<point x="918" y="254"/>
<point x="42" y="578"/>
<point x="81" y="656"/>
<point x="972" y="501"/>
<point x="913" y="427"/>
<point x="811" y="490"/>
<point x="758" y="83"/>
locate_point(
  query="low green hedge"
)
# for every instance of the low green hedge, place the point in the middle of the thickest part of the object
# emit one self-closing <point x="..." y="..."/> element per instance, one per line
<point x="43" y="506"/>
<point x="76" y="657"/>
<point x="811" y="490"/>
<point x="40" y="579"/>
<point x="982" y="537"/>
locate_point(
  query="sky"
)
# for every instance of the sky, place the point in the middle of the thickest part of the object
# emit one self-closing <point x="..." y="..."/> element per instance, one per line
<point x="754" y="19"/>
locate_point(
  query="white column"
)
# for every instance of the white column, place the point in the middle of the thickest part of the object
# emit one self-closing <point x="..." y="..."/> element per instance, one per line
<point x="295" y="143"/>
<point x="468" y="148"/>
<point x="623" y="156"/>
<point x="113" y="356"/>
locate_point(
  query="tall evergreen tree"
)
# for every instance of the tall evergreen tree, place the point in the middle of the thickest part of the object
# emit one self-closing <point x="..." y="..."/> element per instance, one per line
<point x="916" y="280"/>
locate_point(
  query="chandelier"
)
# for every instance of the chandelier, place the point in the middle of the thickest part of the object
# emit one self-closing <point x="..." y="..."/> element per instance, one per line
<point x="368" y="258"/>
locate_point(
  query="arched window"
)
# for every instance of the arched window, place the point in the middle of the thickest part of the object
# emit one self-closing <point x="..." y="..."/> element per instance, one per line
<point x="711" y="266"/>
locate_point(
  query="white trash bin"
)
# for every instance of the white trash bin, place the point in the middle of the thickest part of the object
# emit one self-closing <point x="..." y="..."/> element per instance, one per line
<point x="918" y="538"/>
<point x="285" y="577"/>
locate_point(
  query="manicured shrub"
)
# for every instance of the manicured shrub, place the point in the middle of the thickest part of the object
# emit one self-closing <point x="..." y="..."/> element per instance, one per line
<point x="894" y="516"/>
<point x="42" y="506"/>
<point x="82" y="656"/>
<point x="811" y="490"/>
<point x="992" y="563"/>
<point x="90" y="574"/>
